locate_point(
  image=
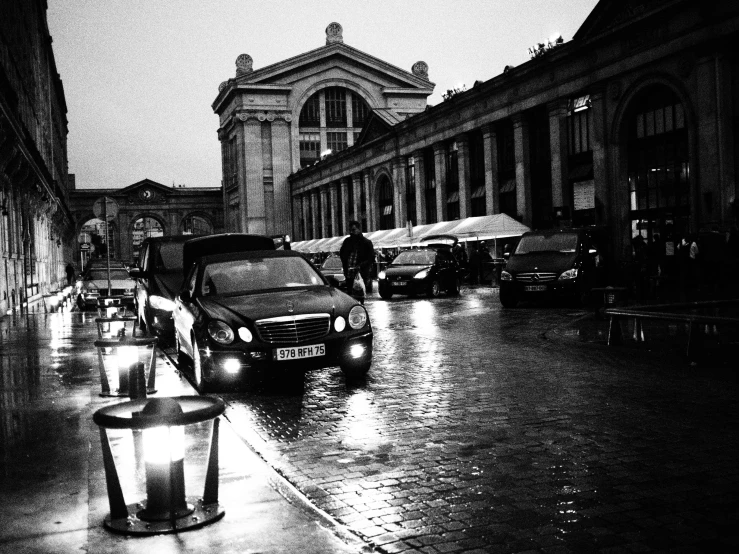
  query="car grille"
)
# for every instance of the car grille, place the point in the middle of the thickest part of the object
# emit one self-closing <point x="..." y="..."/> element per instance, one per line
<point x="294" y="329"/>
<point x="536" y="277"/>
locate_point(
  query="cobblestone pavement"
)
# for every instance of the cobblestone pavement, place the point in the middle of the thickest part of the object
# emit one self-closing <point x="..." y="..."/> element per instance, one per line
<point x="488" y="430"/>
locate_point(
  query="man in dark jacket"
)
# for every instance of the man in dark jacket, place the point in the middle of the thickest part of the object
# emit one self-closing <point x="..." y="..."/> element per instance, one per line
<point x="357" y="255"/>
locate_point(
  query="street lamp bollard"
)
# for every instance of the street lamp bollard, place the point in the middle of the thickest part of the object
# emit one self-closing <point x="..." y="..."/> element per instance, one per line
<point x="115" y="326"/>
<point x="110" y="305"/>
<point x="161" y="422"/>
<point x="119" y="358"/>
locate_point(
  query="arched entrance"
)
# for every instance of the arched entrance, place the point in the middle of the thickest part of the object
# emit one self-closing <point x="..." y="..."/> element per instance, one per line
<point x="196" y="225"/>
<point x="658" y="168"/>
<point x="94" y="243"/>
<point x="385" y="200"/>
<point x="143" y="228"/>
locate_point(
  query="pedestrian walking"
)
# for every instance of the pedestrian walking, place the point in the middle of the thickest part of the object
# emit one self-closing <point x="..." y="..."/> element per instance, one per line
<point x="69" y="270"/>
<point x="357" y="256"/>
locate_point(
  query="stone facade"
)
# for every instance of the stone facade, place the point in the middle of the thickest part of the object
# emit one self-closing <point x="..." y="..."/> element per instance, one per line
<point x="631" y="125"/>
<point x="262" y="136"/>
<point x="36" y="228"/>
<point x="170" y="207"/>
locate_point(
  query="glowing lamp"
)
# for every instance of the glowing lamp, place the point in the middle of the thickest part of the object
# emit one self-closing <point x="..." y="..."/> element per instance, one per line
<point x="126" y="366"/>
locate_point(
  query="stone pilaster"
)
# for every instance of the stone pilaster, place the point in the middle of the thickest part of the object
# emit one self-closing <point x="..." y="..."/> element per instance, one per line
<point x="523" y="168"/>
<point x="335" y="213"/>
<point x="253" y="200"/>
<point x="558" y="151"/>
<point x="280" y="172"/>
<point x="344" y="206"/>
<point x="357" y="190"/>
<point x="420" y="187"/>
<point x="371" y="224"/>
<point x="315" y="226"/>
<point x="324" y="211"/>
<point x="492" y="184"/>
<point x="598" y="143"/>
<point x="399" y="201"/>
<point x="307" y="230"/>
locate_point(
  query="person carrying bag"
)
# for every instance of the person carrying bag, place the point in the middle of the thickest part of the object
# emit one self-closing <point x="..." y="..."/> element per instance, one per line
<point x="357" y="256"/>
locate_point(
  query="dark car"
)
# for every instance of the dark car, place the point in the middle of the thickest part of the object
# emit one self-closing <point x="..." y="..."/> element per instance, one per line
<point x="332" y="269"/>
<point x="158" y="280"/>
<point x="562" y="263"/>
<point x="427" y="270"/>
<point x="266" y="312"/>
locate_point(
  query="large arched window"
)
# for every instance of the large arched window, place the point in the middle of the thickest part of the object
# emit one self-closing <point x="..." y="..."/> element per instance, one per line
<point x="658" y="169"/>
<point x="345" y="114"/>
<point x="385" y="196"/>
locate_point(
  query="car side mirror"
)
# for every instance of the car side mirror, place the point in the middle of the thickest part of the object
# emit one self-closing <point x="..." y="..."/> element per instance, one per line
<point x="333" y="281"/>
<point x="185" y="296"/>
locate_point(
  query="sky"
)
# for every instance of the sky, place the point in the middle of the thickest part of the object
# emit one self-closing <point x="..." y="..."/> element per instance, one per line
<point x="140" y="76"/>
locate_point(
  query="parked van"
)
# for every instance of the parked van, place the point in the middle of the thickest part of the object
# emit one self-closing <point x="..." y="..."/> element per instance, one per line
<point x="559" y="263"/>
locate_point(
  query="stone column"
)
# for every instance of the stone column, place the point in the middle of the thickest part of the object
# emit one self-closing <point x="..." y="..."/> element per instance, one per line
<point x="463" y="165"/>
<point x="398" y="170"/>
<point x="305" y="202"/>
<point x="314" y="214"/>
<point x="492" y="184"/>
<point x="322" y="107"/>
<point x="297" y="233"/>
<point x="280" y="172"/>
<point x="357" y="190"/>
<point x="558" y="152"/>
<point x="344" y="206"/>
<point x="370" y="211"/>
<point x="335" y="213"/>
<point x="440" y="169"/>
<point x="420" y="188"/>
<point x="523" y="168"/>
<point x="324" y="211"/>
<point x="598" y="143"/>
<point x="253" y="200"/>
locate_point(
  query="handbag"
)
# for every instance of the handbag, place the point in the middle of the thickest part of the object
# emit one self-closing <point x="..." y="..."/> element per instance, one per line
<point x="358" y="285"/>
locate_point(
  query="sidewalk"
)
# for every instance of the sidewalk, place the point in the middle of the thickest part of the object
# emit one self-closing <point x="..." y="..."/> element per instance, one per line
<point x="52" y="480"/>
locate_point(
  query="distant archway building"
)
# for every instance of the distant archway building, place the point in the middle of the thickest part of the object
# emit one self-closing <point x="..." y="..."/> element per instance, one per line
<point x="166" y="210"/>
<point x="633" y="124"/>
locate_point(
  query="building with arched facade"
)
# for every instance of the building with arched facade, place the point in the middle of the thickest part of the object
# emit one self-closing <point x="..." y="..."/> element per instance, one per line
<point x="144" y="209"/>
<point x="631" y="125"/>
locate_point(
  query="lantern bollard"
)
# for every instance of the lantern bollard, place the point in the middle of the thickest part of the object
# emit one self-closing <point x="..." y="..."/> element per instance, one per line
<point x="161" y="421"/>
<point x="119" y="358"/>
<point x="115" y="326"/>
<point x="110" y="305"/>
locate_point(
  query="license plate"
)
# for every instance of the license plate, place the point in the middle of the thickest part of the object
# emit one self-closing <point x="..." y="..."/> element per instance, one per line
<point x="531" y="288"/>
<point x="398" y="284"/>
<point x="300" y="352"/>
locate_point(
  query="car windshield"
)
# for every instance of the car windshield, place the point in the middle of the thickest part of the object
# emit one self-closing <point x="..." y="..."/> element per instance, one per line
<point x="559" y="242"/>
<point x="334" y="262"/>
<point x="257" y="274"/>
<point x="102" y="274"/>
<point x="169" y="256"/>
<point x="415" y="257"/>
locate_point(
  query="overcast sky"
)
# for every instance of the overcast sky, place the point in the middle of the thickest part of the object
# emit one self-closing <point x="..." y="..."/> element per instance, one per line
<point x="140" y="75"/>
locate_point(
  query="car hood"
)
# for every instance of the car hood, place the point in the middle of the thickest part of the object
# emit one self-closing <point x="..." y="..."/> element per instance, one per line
<point x="167" y="284"/>
<point x="404" y="270"/>
<point x="545" y="262"/>
<point x="250" y="307"/>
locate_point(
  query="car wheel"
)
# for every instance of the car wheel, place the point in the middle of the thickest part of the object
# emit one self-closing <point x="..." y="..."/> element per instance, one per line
<point x="203" y="382"/>
<point x="508" y="298"/>
<point x="385" y="294"/>
<point x="434" y="289"/>
<point x="353" y="372"/>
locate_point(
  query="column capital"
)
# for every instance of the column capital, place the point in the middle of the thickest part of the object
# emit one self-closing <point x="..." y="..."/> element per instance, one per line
<point x="558" y="108"/>
<point x="462" y="139"/>
<point x="488" y="130"/>
<point x="519" y="120"/>
<point x="439" y="148"/>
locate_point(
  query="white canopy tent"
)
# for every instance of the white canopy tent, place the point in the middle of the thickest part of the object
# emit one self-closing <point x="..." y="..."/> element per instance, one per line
<point x="486" y="227"/>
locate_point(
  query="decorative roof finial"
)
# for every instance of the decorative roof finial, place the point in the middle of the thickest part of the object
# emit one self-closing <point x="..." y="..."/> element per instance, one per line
<point x="421" y="69"/>
<point x="334" y="33"/>
<point x="244" y="64"/>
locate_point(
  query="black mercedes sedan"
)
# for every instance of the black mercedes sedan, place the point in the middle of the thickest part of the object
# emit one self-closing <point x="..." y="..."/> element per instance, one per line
<point x="427" y="270"/>
<point x="267" y="312"/>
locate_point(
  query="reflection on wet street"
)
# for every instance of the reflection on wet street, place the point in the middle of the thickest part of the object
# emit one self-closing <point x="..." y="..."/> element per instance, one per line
<point x="474" y="429"/>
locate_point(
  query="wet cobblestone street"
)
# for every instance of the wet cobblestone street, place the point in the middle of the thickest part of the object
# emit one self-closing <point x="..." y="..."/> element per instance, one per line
<point x="488" y="430"/>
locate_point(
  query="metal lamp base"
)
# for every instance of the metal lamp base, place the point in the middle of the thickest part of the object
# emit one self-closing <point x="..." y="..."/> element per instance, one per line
<point x="202" y="515"/>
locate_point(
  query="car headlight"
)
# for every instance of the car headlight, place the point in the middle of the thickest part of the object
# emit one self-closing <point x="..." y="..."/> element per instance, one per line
<point x="339" y="324"/>
<point x="357" y="317"/>
<point x="128" y="292"/>
<point x="569" y="274"/>
<point x="421" y="274"/>
<point x="220" y="332"/>
<point x="161" y="303"/>
<point x="505" y="276"/>
<point x="381" y="275"/>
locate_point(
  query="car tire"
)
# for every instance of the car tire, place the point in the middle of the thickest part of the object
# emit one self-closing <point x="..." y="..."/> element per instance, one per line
<point x="508" y="299"/>
<point x="385" y="294"/>
<point x="183" y="360"/>
<point x="201" y="384"/>
<point x="354" y="372"/>
<point x="434" y="289"/>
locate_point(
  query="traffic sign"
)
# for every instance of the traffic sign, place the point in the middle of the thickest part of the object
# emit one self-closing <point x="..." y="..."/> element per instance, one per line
<point x="105" y="207"/>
